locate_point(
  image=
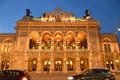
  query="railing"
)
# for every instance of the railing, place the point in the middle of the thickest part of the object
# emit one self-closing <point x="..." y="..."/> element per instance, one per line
<point x="54" y="50"/>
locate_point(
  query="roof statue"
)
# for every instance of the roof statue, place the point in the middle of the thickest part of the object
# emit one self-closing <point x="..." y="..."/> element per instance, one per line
<point x="27" y="17"/>
<point x="28" y="12"/>
<point x="57" y="15"/>
<point x="88" y="16"/>
<point x="87" y="12"/>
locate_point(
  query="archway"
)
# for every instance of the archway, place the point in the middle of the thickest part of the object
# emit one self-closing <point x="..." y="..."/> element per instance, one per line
<point x="58" y="41"/>
<point x="5" y="64"/>
<point x="34" y="40"/>
<point x="70" y="40"/>
<point x="32" y="64"/>
<point x="58" y="64"/>
<point x="70" y="64"/>
<point x="46" y="40"/>
<point x="109" y="64"/>
<point x="84" y="63"/>
<point x="46" y="65"/>
<point x="82" y="40"/>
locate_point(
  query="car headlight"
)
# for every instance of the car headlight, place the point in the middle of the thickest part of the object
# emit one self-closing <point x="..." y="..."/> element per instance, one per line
<point x="70" y="78"/>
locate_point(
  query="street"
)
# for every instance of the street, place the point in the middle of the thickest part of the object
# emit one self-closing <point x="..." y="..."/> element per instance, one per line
<point x="117" y="77"/>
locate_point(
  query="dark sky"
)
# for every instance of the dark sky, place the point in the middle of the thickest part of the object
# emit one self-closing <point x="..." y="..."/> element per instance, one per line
<point x="105" y="11"/>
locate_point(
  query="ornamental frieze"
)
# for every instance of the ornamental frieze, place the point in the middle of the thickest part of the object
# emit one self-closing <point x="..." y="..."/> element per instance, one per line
<point x="20" y="23"/>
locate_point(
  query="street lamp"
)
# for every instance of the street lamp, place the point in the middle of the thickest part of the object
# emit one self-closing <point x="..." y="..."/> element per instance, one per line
<point x="118" y="28"/>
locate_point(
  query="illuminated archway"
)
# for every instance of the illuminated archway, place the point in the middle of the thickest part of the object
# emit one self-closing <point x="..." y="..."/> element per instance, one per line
<point x="58" y="64"/>
<point x="58" y="40"/>
<point x="5" y="64"/>
<point x="46" y="64"/>
<point x="32" y="64"/>
<point x="70" y="40"/>
<point x="46" y="40"/>
<point x="110" y="64"/>
<point x="82" y="40"/>
<point x="70" y="64"/>
<point x="34" y="39"/>
<point x="84" y="63"/>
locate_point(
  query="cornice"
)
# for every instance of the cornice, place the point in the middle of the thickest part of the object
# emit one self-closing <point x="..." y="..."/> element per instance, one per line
<point x="36" y="23"/>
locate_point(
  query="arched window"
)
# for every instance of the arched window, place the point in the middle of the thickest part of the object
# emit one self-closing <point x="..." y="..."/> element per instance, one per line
<point x="47" y="65"/>
<point x="46" y="40"/>
<point x="58" y="41"/>
<point x="32" y="64"/>
<point x="70" y="65"/>
<point x="8" y="46"/>
<point x="106" y="45"/>
<point x="84" y="63"/>
<point x="109" y="64"/>
<point x="58" y="65"/>
<point x="34" y="40"/>
<point x="5" y="65"/>
<point x="82" y="40"/>
<point x="70" y="40"/>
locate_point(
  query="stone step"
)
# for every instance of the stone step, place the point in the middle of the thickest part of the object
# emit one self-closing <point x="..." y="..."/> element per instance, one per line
<point x="44" y="76"/>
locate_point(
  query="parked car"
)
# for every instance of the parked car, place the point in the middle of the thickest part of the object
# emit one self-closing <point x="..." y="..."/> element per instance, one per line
<point x="14" y="75"/>
<point x="94" y="74"/>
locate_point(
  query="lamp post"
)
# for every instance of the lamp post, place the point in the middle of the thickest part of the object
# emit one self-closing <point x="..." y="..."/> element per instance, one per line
<point x="118" y="28"/>
<point x="118" y="61"/>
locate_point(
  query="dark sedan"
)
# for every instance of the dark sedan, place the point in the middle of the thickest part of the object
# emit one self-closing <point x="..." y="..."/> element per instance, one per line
<point x="94" y="74"/>
<point x="14" y="75"/>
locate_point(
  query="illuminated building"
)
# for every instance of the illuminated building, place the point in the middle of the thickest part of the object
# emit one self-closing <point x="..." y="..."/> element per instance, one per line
<point x="58" y="42"/>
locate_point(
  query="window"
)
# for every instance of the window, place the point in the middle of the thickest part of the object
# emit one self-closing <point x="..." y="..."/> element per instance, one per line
<point x="5" y="65"/>
<point x="109" y="64"/>
<point x="8" y="47"/>
<point x="47" y="65"/>
<point x="107" y="48"/>
<point x="33" y="44"/>
<point x="70" y="65"/>
<point x="58" y="65"/>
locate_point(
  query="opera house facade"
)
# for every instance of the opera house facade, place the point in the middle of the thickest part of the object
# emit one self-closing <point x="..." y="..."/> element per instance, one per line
<point x="58" y="41"/>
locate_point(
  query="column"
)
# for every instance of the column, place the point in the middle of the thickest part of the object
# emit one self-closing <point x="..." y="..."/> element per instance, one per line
<point x="77" y="63"/>
<point x="90" y="59"/>
<point x="76" y="42"/>
<point x="40" y="47"/>
<point x="65" y="64"/>
<point x="52" y="63"/>
<point x="64" y="43"/>
<point x="25" y="60"/>
<point x="52" y="43"/>
<point x="39" y="64"/>
<point x="88" y="38"/>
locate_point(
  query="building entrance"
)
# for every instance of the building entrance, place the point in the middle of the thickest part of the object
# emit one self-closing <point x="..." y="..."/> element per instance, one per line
<point x="58" y="64"/>
<point x="5" y="65"/>
<point x="32" y="64"/>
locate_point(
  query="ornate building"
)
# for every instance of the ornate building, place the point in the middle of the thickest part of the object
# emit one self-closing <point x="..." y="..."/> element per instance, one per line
<point x="58" y="42"/>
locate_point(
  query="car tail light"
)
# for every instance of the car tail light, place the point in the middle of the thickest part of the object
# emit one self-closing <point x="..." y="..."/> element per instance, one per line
<point x="24" y="78"/>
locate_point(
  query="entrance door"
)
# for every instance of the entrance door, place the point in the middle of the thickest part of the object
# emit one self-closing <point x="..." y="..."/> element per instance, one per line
<point x="70" y="65"/>
<point x="84" y="63"/>
<point x="109" y="64"/>
<point x="32" y="64"/>
<point x="5" y="65"/>
<point x="58" y="65"/>
<point x="47" y="65"/>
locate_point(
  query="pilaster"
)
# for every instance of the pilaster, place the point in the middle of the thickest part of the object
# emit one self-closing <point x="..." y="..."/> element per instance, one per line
<point x="65" y="64"/>
<point x="77" y="64"/>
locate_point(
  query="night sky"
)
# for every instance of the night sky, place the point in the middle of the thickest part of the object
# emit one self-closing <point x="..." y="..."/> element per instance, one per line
<point x="105" y="11"/>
